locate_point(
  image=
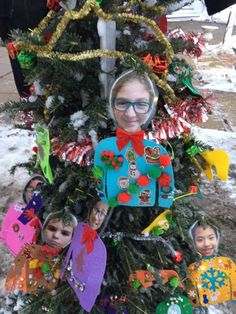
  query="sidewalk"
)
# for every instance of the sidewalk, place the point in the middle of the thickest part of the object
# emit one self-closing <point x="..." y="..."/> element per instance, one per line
<point x="7" y="85"/>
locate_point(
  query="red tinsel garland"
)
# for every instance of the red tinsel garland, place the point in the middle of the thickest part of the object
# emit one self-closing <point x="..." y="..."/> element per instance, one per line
<point x="74" y="151"/>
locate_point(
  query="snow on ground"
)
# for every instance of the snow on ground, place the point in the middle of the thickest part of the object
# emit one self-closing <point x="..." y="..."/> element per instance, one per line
<point x="16" y="147"/>
<point x="224" y="141"/>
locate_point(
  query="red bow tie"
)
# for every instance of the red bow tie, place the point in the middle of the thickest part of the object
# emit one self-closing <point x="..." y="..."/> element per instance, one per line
<point x="136" y="139"/>
<point x="89" y="235"/>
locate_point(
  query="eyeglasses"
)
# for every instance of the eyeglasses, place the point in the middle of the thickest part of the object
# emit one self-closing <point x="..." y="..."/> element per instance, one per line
<point x="100" y="213"/>
<point x="122" y="105"/>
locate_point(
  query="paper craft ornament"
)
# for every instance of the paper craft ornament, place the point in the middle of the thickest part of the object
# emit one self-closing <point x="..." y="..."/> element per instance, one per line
<point x="21" y="225"/>
<point x="147" y="279"/>
<point x="85" y="265"/>
<point x="220" y="160"/>
<point x="211" y="281"/>
<point x="161" y="221"/>
<point x="36" y="267"/>
<point x="43" y="142"/>
<point x="127" y="173"/>
<point x="178" y="304"/>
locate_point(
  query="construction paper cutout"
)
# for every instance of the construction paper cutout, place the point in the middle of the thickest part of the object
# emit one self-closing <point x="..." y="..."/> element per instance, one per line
<point x="43" y="142"/>
<point x="32" y="208"/>
<point x="178" y="304"/>
<point x="85" y="279"/>
<point x="220" y="160"/>
<point x="160" y="221"/>
<point x="133" y="165"/>
<point x="35" y="267"/>
<point x="211" y="281"/>
<point x="14" y="233"/>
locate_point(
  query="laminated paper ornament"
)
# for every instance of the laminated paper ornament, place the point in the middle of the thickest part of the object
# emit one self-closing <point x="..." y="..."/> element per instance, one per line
<point x="220" y="160"/>
<point x="129" y="174"/>
<point x="211" y="281"/>
<point x="147" y="279"/>
<point x="43" y="142"/>
<point x="36" y="267"/>
<point x="85" y="265"/>
<point x="161" y="221"/>
<point x="178" y="304"/>
<point x="21" y="225"/>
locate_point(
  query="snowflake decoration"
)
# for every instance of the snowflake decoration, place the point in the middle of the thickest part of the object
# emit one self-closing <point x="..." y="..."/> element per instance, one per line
<point x="191" y="293"/>
<point x="213" y="279"/>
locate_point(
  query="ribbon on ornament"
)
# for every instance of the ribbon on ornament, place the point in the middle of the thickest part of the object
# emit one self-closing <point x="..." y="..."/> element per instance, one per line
<point x="89" y="235"/>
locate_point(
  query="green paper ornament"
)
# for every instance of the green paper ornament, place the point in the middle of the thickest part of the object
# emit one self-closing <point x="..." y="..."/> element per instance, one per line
<point x="178" y="304"/>
<point x="43" y="142"/>
<point x="155" y="172"/>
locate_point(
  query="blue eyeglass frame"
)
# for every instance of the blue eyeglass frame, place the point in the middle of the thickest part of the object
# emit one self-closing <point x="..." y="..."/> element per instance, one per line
<point x="131" y="103"/>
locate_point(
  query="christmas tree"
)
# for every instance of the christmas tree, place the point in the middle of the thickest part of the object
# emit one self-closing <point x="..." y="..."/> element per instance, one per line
<point x="71" y="60"/>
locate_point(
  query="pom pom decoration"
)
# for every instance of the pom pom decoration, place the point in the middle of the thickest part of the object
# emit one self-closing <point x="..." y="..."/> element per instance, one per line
<point x="143" y="181"/>
<point x="124" y="197"/>
<point x="133" y="189"/>
<point x="111" y="161"/>
<point x="164" y="180"/>
<point x="154" y="172"/>
<point x="174" y="282"/>
<point x="165" y="160"/>
<point x="112" y="202"/>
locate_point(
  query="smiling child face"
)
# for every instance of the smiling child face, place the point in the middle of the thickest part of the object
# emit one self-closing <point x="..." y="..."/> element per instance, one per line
<point x="206" y="241"/>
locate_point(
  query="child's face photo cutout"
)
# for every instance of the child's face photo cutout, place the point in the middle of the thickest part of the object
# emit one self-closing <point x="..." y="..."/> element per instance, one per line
<point x="56" y="234"/>
<point x="206" y="241"/>
<point x="131" y="106"/>
<point x="97" y="215"/>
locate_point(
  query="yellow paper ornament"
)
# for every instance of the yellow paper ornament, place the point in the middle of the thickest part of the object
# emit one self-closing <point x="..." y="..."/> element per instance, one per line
<point x="220" y="160"/>
<point x="160" y="221"/>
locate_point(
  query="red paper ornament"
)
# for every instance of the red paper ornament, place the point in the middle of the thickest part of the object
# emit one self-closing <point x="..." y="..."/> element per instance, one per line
<point x="164" y="160"/>
<point x="177" y="257"/>
<point x="143" y="181"/>
<point x="124" y="197"/>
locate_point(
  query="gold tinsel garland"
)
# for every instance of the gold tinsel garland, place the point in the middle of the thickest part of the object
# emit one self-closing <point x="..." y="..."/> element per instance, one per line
<point x="156" y="9"/>
<point x="45" y="51"/>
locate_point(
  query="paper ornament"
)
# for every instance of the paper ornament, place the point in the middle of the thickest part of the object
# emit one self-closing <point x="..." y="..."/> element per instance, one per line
<point x="147" y="279"/>
<point x="20" y="226"/>
<point x="220" y="160"/>
<point x="36" y="267"/>
<point x="178" y="304"/>
<point x="120" y="180"/>
<point x="160" y="221"/>
<point x="211" y="281"/>
<point x="43" y="142"/>
<point x="84" y="269"/>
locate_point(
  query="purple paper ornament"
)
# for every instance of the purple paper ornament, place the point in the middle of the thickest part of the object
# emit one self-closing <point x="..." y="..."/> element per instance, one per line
<point x="84" y="271"/>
